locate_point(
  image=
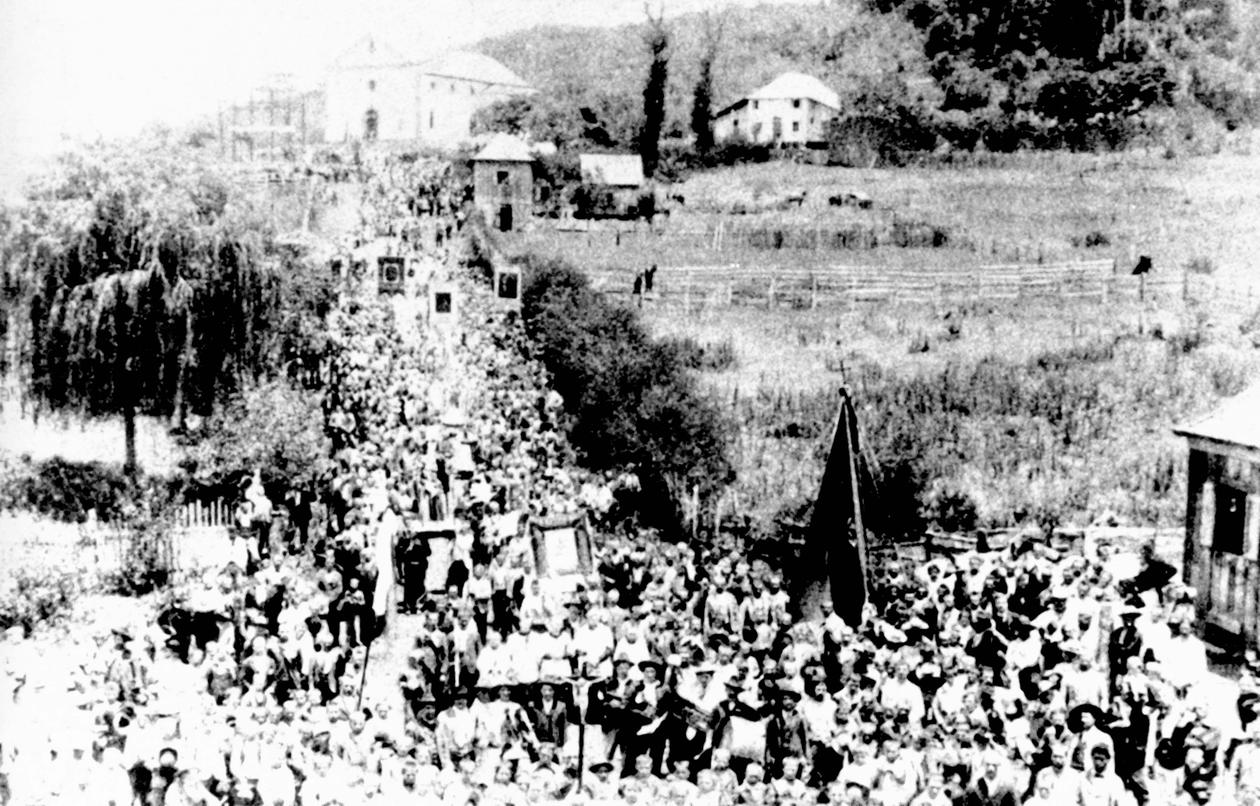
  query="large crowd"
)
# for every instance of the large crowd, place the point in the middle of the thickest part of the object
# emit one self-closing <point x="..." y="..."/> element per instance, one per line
<point x="661" y="672"/>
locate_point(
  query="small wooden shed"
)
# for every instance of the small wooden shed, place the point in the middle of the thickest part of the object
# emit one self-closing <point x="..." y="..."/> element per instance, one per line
<point x="1222" y="548"/>
<point x="503" y="182"/>
<point x="612" y="186"/>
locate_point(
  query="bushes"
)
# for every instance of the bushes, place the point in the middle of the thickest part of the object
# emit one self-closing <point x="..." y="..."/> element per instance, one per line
<point x="66" y="491"/>
<point x="631" y="399"/>
<point x="148" y="560"/>
<point x="270" y="426"/>
<point x="35" y="598"/>
<point x="1058" y="439"/>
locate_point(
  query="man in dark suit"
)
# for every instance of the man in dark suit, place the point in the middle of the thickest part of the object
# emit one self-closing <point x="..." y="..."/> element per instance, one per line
<point x="787" y="734"/>
<point x="413" y="559"/>
<point x="608" y="705"/>
<point x="1125" y="642"/>
<point x="549" y="715"/>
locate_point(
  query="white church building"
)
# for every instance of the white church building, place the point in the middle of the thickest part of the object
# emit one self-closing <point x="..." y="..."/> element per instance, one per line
<point x="374" y="92"/>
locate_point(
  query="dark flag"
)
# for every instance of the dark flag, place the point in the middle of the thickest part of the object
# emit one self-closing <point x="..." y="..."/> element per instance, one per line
<point x="835" y="544"/>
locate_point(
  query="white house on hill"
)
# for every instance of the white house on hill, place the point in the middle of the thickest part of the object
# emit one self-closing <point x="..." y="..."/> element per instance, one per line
<point x="794" y="109"/>
<point x="375" y="92"/>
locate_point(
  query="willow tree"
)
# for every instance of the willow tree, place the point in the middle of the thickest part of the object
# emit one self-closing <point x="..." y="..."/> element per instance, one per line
<point x="141" y="287"/>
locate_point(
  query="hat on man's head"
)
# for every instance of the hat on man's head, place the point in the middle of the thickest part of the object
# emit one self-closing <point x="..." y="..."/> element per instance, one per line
<point x="1074" y="716"/>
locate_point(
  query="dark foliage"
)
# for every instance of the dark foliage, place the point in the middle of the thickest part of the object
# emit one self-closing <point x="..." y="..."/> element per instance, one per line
<point x="66" y="491"/>
<point x="1067" y="73"/>
<point x="702" y="94"/>
<point x="154" y="287"/>
<point x="657" y="38"/>
<point x="632" y="400"/>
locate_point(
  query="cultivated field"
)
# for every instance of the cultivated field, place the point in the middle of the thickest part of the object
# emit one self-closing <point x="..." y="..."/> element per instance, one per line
<point x="1025" y="208"/>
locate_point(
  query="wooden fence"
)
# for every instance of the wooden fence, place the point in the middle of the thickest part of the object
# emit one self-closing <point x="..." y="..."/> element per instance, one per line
<point x="199" y="514"/>
<point x="770" y="286"/>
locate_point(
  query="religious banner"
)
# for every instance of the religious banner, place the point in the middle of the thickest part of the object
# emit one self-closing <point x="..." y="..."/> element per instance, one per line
<point x="507" y="284"/>
<point x="391" y="274"/>
<point x="443" y="304"/>
<point x="562" y="545"/>
<point x="441" y="539"/>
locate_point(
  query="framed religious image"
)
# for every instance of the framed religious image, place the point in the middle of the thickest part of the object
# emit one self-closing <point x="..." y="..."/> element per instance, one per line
<point x="443" y="303"/>
<point x="507" y="284"/>
<point x="562" y="545"/>
<point x="440" y="544"/>
<point x="392" y="273"/>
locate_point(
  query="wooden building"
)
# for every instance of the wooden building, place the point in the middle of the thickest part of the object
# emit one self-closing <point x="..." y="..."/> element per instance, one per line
<point x="503" y="182"/>
<point x="612" y="186"/>
<point x="1222" y="546"/>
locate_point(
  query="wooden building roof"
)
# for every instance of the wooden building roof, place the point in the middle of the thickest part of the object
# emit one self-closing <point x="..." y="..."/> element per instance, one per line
<point x="1236" y="422"/>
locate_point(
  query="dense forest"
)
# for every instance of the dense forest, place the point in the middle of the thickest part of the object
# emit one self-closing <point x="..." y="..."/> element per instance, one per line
<point x="925" y="74"/>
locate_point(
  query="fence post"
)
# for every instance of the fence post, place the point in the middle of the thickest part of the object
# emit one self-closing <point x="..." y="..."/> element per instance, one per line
<point x="770" y="301"/>
<point x="813" y="291"/>
<point x="687" y="294"/>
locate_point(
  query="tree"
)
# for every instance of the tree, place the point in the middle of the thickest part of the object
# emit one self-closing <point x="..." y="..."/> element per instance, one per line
<point x="271" y="427"/>
<point x="657" y="39"/>
<point x="142" y="286"/>
<point x="702" y="96"/>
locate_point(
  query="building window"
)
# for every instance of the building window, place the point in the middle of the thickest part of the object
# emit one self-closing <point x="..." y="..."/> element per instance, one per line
<point x="735" y="123"/>
<point x="796" y="103"/>
<point x="756" y="104"/>
<point x="501" y="177"/>
<point x="371" y="86"/>
<point x="430" y="118"/>
<point x="432" y="85"/>
<point x="1230" y="527"/>
<point x="796" y="125"/>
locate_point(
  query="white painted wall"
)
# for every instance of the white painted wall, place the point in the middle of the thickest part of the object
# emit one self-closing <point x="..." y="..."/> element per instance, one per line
<point x="801" y="121"/>
<point x="433" y="110"/>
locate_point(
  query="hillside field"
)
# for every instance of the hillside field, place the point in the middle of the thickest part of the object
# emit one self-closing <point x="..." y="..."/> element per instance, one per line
<point x="1023" y="207"/>
<point x="1033" y="411"/>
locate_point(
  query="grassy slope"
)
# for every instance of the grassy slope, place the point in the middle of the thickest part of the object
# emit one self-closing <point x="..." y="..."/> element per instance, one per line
<point x="790" y="361"/>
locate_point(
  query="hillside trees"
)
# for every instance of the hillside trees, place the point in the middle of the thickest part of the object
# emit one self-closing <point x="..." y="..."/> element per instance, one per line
<point x="1075" y="73"/>
<point x="144" y="285"/>
<point x="702" y="95"/>
<point x="657" y="39"/>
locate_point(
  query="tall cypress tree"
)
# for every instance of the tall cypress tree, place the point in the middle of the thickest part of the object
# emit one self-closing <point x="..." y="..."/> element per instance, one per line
<point x="702" y="96"/>
<point x="657" y="39"/>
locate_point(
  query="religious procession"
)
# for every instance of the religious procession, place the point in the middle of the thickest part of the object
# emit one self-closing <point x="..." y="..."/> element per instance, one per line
<point x="657" y="672"/>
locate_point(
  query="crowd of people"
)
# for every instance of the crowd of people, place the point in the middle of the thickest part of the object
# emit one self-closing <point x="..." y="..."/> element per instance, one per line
<point x="401" y="640"/>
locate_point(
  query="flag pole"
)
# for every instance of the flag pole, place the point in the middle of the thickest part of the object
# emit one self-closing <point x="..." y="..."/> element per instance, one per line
<point x="367" y="656"/>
